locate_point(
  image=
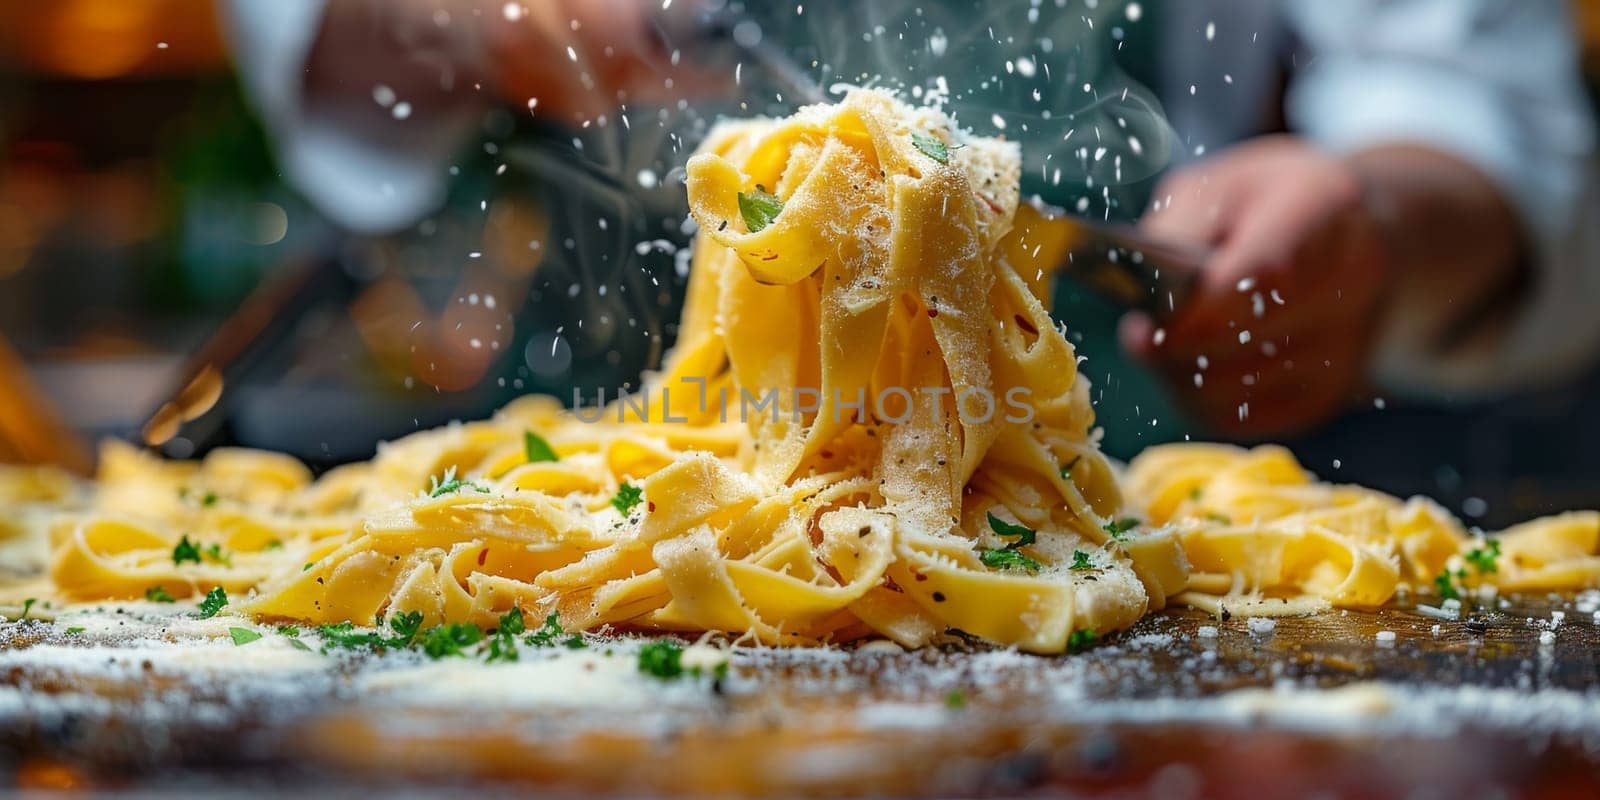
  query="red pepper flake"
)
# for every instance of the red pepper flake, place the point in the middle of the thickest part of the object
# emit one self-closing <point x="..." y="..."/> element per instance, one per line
<point x="825" y="453"/>
<point x="483" y="555"/>
<point x="1023" y="323"/>
<point x="650" y="505"/>
<point x="933" y="312"/>
<point x="919" y="576"/>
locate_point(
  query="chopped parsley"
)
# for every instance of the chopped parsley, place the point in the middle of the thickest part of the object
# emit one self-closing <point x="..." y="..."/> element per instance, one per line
<point x="299" y="645"/>
<point x="1445" y="583"/>
<point x="955" y="700"/>
<point x="626" y="498"/>
<point x="551" y="630"/>
<point x="759" y="208"/>
<point x="185" y="550"/>
<point x="159" y="594"/>
<point x="512" y="622"/>
<point x="275" y="544"/>
<point x="1007" y="559"/>
<point x="74" y="630"/>
<point x="210" y="499"/>
<point x="503" y="647"/>
<point x="290" y="631"/>
<point x="1080" y="561"/>
<point x="216" y="553"/>
<point x="931" y="146"/>
<point x="1118" y="528"/>
<point x="1484" y="559"/>
<point x="243" y="635"/>
<point x="405" y="627"/>
<point x="449" y="484"/>
<point x="661" y="659"/>
<point x="1024" y="534"/>
<point x="27" y="606"/>
<point x="1066" y="469"/>
<point x="537" y="449"/>
<point x="450" y="640"/>
<point x="346" y="635"/>
<point x="213" y="603"/>
<point x="1080" y="639"/>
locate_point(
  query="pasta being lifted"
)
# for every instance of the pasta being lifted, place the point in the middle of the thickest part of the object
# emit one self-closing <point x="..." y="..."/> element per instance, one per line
<point x="870" y="426"/>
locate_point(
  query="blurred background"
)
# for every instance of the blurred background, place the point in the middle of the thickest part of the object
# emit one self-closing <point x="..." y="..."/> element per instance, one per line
<point x="142" y="202"/>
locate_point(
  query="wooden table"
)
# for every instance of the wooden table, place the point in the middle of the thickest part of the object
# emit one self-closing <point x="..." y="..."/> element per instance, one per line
<point x="1322" y="703"/>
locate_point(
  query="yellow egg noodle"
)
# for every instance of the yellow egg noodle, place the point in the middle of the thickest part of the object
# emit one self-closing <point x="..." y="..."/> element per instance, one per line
<point x="870" y="426"/>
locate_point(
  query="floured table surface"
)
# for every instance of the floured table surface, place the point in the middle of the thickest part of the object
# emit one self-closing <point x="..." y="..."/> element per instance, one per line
<point x="1182" y="705"/>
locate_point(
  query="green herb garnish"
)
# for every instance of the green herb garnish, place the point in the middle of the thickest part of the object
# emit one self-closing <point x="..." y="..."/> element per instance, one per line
<point x="449" y="484"/>
<point x="626" y="498"/>
<point x="503" y="647"/>
<point x="1024" y="534"/>
<point x="346" y="635"/>
<point x="1007" y="559"/>
<point x="243" y="635"/>
<point x="1080" y="639"/>
<point x="1066" y="469"/>
<point x="1080" y="561"/>
<point x="956" y="699"/>
<point x="537" y="449"/>
<point x="74" y="630"/>
<point x="931" y="146"/>
<point x="185" y="550"/>
<point x="216" y="553"/>
<point x="551" y="631"/>
<point x="214" y="601"/>
<point x="158" y="594"/>
<point x="661" y="659"/>
<point x="27" y="606"/>
<point x="405" y="627"/>
<point x="209" y="500"/>
<point x="275" y="544"/>
<point x="759" y="208"/>
<point x="450" y="640"/>
<point x="1484" y="559"/>
<point x="1118" y="528"/>
<point x="1445" y="583"/>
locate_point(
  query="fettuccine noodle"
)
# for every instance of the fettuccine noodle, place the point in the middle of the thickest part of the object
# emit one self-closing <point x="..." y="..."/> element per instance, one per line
<point x="814" y="464"/>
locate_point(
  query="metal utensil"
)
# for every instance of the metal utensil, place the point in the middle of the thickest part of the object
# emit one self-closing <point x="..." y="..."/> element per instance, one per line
<point x="1127" y="266"/>
<point x="196" y="408"/>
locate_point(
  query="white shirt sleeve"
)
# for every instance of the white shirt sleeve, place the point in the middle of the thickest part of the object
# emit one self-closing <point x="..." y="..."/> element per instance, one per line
<point x="1494" y="82"/>
<point x="371" y="177"/>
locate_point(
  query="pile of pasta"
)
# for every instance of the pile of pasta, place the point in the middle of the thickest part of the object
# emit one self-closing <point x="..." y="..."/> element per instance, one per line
<point x="866" y="275"/>
<point x="1264" y="538"/>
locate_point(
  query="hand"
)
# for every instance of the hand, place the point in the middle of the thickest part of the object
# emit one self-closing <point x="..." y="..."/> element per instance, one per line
<point x="1276" y="337"/>
<point x="616" y="55"/>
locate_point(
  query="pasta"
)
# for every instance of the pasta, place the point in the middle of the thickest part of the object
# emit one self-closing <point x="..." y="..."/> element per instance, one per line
<point x="1264" y="538"/>
<point x="870" y="426"/>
